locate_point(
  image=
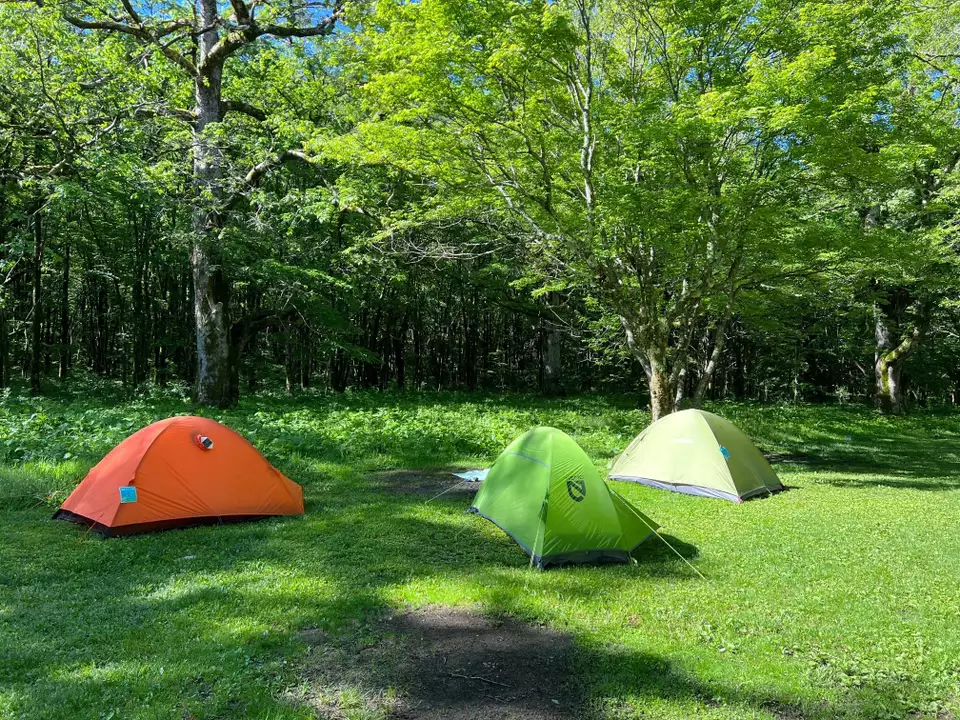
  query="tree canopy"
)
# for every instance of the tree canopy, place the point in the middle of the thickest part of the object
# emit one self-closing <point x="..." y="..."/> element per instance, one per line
<point x="680" y="199"/>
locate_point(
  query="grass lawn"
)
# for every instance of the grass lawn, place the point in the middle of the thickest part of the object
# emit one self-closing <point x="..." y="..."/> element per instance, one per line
<point x="839" y="598"/>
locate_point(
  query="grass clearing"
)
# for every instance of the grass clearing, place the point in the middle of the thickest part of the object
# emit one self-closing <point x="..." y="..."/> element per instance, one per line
<point x="839" y="598"/>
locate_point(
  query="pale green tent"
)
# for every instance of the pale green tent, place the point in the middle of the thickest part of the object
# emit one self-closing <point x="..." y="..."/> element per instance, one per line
<point x="545" y="493"/>
<point x="697" y="453"/>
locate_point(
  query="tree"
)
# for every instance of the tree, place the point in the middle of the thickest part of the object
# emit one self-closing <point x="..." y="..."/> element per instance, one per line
<point x="49" y="124"/>
<point x="913" y="187"/>
<point x="656" y="151"/>
<point x="198" y="40"/>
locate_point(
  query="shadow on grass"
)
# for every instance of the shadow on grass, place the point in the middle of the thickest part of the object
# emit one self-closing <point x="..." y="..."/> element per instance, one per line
<point x="855" y="447"/>
<point x="917" y="467"/>
<point x="625" y="683"/>
<point x="210" y="616"/>
<point x="450" y="663"/>
<point x="656" y="550"/>
<point x="442" y="663"/>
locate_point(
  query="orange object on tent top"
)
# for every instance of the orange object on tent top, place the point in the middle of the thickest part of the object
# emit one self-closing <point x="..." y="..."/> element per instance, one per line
<point x="180" y="472"/>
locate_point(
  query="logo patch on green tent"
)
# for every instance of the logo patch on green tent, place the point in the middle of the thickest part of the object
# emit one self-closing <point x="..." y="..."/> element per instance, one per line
<point x="724" y="452"/>
<point x="577" y="489"/>
<point x="128" y="494"/>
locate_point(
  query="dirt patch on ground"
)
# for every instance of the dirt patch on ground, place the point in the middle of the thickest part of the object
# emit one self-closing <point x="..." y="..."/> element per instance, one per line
<point x="426" y="483"/>
<point x="438" y="663"/>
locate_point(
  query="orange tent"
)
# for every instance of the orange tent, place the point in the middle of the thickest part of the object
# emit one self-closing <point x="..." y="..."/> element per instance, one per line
<point x="179" y="472"/>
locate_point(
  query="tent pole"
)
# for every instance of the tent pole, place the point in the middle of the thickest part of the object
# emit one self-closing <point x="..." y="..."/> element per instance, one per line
<point x="542" y="526"/>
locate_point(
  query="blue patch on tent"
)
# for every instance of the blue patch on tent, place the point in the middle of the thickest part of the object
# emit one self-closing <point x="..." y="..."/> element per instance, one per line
<point x="724" y="452"/>
<point x="128" y="494"/>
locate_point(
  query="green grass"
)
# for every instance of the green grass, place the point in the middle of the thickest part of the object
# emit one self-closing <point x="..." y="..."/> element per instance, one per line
<point x="840" y="598"/>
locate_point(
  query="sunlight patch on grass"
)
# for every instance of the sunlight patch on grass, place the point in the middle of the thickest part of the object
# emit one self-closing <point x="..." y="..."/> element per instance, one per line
<point x="41" y="483"/>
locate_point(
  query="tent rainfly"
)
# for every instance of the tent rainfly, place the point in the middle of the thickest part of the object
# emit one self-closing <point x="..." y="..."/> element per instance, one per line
<point x="545" y="493"/>
<point x="180" y="472"/>
<point x="697" y="453"/>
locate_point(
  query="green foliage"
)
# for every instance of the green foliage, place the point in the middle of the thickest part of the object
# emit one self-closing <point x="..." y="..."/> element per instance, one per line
<point x="648" y="180"/>
<point x="665" y="157"/>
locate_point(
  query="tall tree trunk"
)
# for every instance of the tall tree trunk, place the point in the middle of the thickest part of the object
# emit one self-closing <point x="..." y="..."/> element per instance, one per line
<point x="893" y="349"/>
<point x="48" y="338"/>
<point x="888" y="366"/>
<point x="65" y="314"/>
<point x="36" y="326"/>
<point x="4" y="345"/>
<point x="211" y="288"/>
<point x="160" y="334"/>
<point x="719" y="337"/>
<point x="100" y="364"/>
<point x="660" y="381"/>
<point x="662" y="393"/>
<point x="292" y="362"/>
<point x="552" y="379"/>
<point x="338" y="372"/>
<point x="139" y="313"/>
<point x="400" y="352"/>
<point x="418" y="349"/>
<point x="386" y="351"/>
<point x="371" y="370"/>
<point x="887" y="374"/>
<point x="468" y="334"/>
<point x="306" y="357"/>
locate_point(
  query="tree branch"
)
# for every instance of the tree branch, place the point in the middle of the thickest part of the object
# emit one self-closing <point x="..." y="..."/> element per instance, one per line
<point x="142" y="33"/>
<point x="250" y="31"/>
<point x="108" y="25"/>
<point x="131" y="12"/>
<point x="242" y="12"/>
<point x="178" y="113"/>
<point x="228" y="106"/>
<point x="260" y="169"/>
<point x="246" y="327"/>
<point x="284" y="31"/>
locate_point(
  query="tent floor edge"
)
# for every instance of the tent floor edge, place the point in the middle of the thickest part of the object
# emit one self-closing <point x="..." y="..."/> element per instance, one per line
<point x="761" y="492"/>
<point x="98" y="528"/>
<point x="695" y="490"/>
<point x="583" y="557"/>
<point x="148" y="527"/>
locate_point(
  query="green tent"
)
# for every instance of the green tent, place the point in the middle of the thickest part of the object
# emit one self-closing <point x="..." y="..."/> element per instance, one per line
<point x="544" y="492"/>
<point x="697" y="453"/>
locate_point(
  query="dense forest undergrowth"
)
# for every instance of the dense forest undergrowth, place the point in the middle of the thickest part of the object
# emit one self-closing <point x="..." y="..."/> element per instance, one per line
<point x="834" y="599"/>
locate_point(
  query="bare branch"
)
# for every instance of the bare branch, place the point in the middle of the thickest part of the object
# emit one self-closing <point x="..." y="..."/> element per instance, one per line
<point x="107" y="25"/>
<point x="247" y="33"/>
<point x="260" y="169"/>
<point x="242" y="12"/>
<point x="128" y="6"/>
<point x="284" y="31"/>
<point x="178" y="113"/>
